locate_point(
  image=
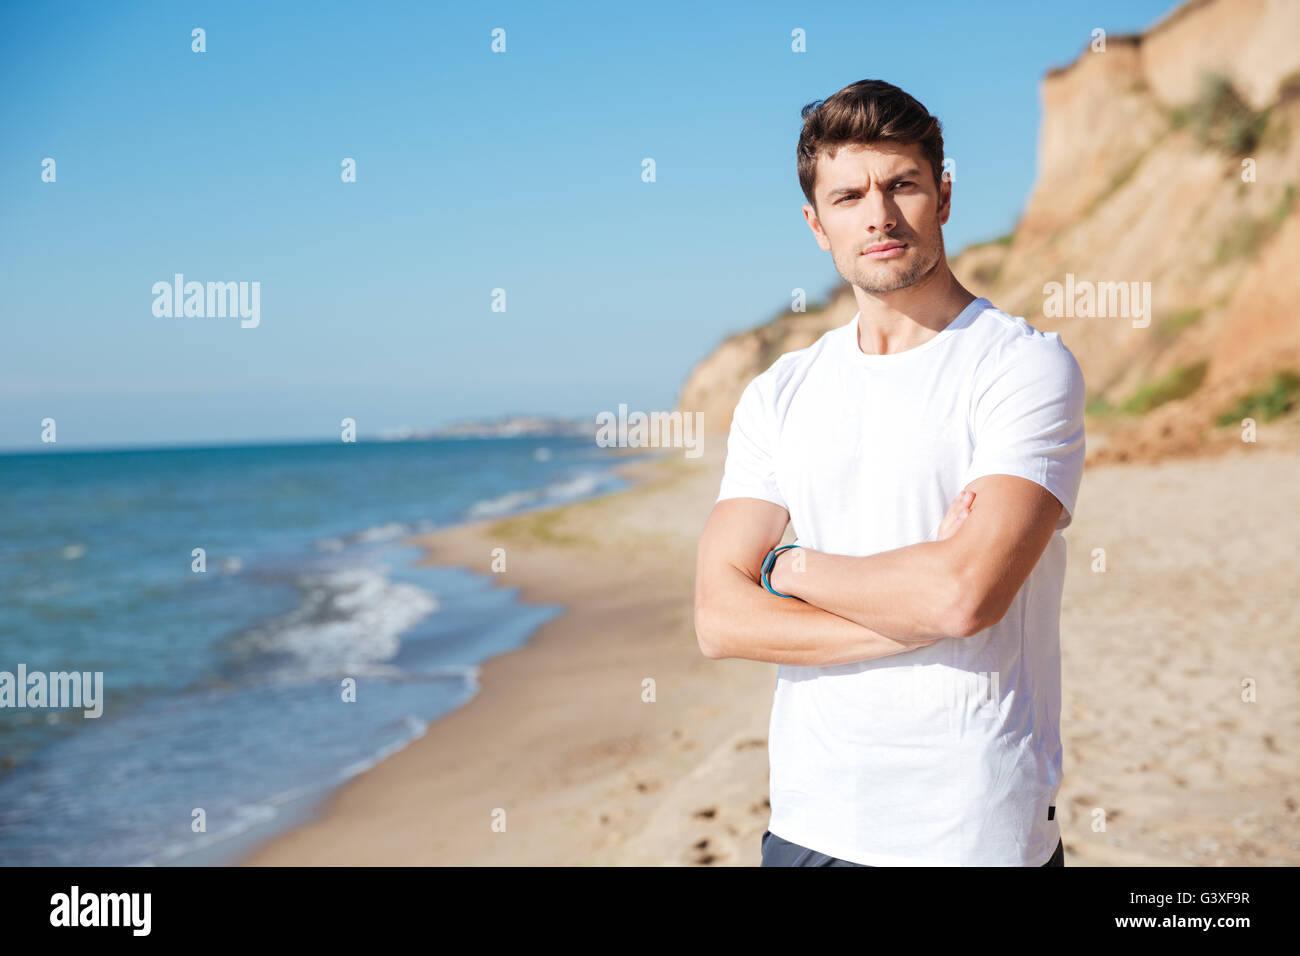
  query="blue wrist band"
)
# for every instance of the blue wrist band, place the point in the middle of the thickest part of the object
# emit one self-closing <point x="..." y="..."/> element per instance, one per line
<point x="769" y="562"/>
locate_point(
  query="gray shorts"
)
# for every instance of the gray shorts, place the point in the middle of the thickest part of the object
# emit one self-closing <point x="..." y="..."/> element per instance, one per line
<point x="779" y="852"/>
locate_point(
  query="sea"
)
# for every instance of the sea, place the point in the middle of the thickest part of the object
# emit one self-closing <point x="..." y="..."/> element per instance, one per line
<point x="262" y="624"/>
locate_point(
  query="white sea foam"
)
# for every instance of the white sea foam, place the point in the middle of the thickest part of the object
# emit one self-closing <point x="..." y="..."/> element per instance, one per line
<point x="414" y="728"/>
<point x="384" y="532"/>
<point x="507" y="502"/>
<point x="575" y="487"/>
<point x="348" y="622"/>
<point x="244" y="817"/>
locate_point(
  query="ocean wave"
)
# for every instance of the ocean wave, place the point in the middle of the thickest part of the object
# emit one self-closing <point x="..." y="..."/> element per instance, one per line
<point x="415" y="727"/>
<point x="577" y="486"/>
<point x="505" y="503"/>
<point x="384" y="532"/>
<point x="242" y="818"/>
<point x="245" y="816"/>
<point x="348" y="622"/>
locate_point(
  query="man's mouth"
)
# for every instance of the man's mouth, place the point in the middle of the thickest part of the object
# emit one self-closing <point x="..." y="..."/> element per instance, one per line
<point x="886" y="250"/>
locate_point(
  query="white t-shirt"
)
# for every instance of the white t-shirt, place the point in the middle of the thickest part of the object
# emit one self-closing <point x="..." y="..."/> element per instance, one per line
<point x="948" y="754"/>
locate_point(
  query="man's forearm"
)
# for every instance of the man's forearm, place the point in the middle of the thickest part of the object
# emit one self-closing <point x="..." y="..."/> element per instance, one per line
<point x="745" y="621"/>
<point x="907" y="594"/>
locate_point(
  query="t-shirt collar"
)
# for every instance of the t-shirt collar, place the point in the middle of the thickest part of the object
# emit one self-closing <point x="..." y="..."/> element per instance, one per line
<point x="855" y="354"/>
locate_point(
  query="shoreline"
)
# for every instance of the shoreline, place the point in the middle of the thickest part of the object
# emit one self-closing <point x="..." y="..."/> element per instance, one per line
<point x="1198" y="594"/>
<point x="588" y="556"/>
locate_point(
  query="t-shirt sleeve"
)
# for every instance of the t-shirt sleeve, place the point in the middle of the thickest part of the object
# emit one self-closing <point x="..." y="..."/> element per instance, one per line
<point x="1029" y="423"/>
<point x="750" y="470"/>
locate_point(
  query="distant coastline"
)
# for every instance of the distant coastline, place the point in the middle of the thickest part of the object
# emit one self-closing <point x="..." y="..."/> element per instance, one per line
<point x="506" y="426"/>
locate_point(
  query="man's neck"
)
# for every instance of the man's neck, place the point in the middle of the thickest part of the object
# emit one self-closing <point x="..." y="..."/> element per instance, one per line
<point x="898" y="321"/>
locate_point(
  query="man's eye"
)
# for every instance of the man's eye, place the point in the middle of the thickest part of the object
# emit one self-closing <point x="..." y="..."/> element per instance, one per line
<point x="902" y="182"/>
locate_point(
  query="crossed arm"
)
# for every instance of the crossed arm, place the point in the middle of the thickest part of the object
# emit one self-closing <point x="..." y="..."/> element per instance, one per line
<point x="858" y="608"/>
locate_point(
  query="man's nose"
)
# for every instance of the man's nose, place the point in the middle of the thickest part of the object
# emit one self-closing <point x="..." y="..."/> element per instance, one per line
<point x="882" y="214"/>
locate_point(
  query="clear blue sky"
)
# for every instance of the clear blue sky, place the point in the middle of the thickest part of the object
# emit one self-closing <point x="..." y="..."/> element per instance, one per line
<point x="474" y="171"/>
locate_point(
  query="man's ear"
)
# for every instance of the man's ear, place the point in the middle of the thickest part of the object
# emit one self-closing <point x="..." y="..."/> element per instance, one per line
<point x="814" y="223"/>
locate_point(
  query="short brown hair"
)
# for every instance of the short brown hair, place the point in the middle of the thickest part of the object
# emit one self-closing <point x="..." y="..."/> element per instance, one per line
<point x="863" y="113"/>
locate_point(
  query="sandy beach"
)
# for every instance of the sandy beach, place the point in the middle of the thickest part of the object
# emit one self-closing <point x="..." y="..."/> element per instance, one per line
<point x="611" y="740"/>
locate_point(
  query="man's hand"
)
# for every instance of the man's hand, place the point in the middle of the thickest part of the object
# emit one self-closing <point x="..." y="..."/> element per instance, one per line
<point x="736" y="618"/>
<point x="957" y="512"/>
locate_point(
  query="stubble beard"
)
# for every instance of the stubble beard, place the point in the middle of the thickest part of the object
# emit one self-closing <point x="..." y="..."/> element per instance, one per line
<point x="884" y="275"/>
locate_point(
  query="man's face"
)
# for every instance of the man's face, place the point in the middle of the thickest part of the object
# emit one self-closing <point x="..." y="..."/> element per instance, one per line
<point x="884" y="193"/>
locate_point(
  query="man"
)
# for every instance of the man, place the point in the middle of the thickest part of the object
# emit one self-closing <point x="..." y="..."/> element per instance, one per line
<point x="917" y="707"/>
